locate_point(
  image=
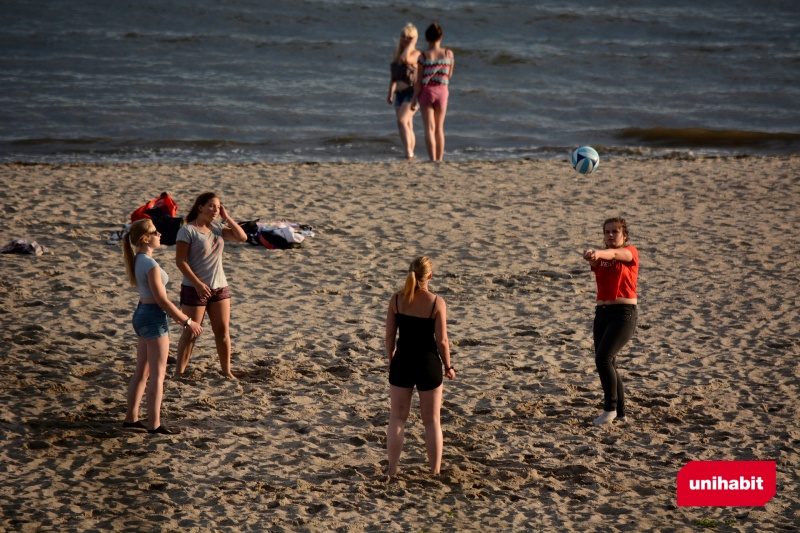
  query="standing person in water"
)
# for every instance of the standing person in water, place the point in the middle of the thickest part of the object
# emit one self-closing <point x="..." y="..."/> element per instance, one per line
<point x="416" y="359"/>
<point x="431" y="90"/>
<point x="401" y="86"/>
<point x="150" y="325"/>
<point x="198" y="254"/>
<point x="616" y="269"/>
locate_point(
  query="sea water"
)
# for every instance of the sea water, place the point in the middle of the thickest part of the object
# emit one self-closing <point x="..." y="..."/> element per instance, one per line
<point x="240" y="81"/>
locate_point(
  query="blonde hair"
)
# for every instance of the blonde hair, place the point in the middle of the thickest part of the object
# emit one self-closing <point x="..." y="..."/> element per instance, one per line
<point x="409" y="30"/>
<point x="133" y="239"/>
<point x="418" y="271"/>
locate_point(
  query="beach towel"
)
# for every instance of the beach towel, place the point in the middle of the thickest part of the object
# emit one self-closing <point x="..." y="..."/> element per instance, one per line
<point x="21" y="246"/>
<point x="278" y="235"/>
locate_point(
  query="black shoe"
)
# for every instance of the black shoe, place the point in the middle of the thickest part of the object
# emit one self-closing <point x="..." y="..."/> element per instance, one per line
<point x="164" y="430"/>
<point x="134" y="425"/>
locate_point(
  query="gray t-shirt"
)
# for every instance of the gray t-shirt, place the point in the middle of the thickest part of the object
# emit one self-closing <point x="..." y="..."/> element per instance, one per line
<point x="142" y="264"/>
<point x="205" y="254"/>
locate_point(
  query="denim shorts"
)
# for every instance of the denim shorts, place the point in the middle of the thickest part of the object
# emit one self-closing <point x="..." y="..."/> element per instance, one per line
<point x="401" y="97"/>
<point x="150" y="321"/>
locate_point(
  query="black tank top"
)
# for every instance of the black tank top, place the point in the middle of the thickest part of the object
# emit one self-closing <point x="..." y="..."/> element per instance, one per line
<point x="417" y="334"/>
<point x="404" y="72"/>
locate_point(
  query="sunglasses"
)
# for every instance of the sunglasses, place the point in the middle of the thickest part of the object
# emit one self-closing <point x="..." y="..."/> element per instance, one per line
<point x="155" y="232"/>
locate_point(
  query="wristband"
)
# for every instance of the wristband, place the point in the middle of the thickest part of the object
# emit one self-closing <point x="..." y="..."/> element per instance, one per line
<point x="188" y="321"/>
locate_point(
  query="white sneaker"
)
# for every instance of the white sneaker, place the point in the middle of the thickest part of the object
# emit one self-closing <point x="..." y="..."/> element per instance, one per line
<point x="115" y="237"/>
<point x="622" y="419"/>
<point x="606" y="418"/>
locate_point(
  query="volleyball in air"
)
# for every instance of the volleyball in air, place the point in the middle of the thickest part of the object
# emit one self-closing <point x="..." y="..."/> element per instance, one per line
<point x="585" y="160"/>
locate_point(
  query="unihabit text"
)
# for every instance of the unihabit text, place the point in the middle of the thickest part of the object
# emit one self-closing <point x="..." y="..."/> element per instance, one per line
<point x="719" y="483"/>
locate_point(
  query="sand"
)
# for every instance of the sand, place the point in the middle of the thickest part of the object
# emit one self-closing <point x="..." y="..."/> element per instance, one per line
<point x="298" y="443"/>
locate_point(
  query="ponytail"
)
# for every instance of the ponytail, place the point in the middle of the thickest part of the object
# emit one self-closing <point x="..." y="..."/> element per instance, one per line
<point x="410" y="286"/>
<point x="418" y="270"/>
<point x="129" y="256"/>
<point x="132" y="239"/>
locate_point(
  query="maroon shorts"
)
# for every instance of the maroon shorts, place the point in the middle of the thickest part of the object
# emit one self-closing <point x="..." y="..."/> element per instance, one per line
<point x="190" y="297"/>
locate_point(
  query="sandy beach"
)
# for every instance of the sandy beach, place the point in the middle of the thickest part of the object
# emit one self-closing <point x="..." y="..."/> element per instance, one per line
<point x="298" y="443"/>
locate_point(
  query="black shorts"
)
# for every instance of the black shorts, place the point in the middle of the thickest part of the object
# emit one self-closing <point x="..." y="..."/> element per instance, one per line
<point x="424" y="372"/>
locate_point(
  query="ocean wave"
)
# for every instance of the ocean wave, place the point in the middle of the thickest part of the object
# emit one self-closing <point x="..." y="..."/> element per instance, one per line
<point x="704" y="137"/>
<point x="352" y="148"/>
<point x="95" y="143"/>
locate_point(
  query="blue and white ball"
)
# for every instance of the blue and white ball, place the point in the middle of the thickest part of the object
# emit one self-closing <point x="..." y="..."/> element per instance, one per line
<point x="585" y="160"/>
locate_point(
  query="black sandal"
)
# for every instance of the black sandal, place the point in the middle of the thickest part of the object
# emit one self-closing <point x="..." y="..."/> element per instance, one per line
<point x="135" y="425"/>
<point x="164" y="430"/>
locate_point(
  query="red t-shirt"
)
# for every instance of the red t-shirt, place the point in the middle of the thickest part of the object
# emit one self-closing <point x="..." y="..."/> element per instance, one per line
<point x="616" y="279"/>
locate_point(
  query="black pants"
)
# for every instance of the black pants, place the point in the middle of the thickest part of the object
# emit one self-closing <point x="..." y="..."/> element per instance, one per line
<point x="613" y="328"/>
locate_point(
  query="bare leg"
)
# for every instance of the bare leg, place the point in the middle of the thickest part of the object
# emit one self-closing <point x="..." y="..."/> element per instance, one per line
<point x="430" y="404"/>
<point x="405" y="125"/>
<point x="186" y="342"/>
<point x="219" y="313"/>
<point x="400" y="406"/>
<point x="157" y="351"/>
<point x="137" y="382"/>
<point x="429" y="124"/>
<point x="439" y="115"/>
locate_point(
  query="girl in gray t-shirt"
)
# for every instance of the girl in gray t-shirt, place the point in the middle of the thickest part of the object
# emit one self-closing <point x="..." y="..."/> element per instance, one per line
<point x="198" y="254"/>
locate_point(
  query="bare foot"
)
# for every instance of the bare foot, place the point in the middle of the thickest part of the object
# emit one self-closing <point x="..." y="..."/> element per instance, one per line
<point x="229" y="375"/>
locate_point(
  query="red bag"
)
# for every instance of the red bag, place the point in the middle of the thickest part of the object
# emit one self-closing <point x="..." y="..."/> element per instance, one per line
<point x="163" y="206"/>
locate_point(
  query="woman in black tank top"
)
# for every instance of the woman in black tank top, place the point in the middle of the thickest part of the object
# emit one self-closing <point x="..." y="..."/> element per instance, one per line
<point x="415" y="360"/>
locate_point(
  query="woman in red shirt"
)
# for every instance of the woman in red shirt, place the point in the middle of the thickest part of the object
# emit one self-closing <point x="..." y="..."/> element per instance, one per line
<point x="616" y="269"/>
